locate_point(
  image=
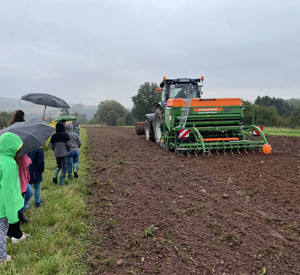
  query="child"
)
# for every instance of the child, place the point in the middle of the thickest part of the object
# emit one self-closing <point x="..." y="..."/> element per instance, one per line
<point x="36" y="169"/>
<point x="74" y="151"/>
<point x="60" y="144"/>
<point x="24" y="162"/>
<point x="11" y="200"/>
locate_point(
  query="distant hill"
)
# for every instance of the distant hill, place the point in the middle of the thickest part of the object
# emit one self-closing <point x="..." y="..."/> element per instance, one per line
<point x="36" y="111"/>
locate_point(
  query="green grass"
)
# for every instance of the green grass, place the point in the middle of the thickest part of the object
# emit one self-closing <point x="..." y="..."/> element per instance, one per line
<point x="58" y="231"/>
<point x="281" y="132"/>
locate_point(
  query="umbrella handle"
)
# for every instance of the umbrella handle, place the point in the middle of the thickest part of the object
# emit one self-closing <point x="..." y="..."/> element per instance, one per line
<point x="44" y="112"/>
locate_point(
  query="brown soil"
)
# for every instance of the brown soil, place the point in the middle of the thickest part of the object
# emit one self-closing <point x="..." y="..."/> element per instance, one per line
<point x="155" y="212"/>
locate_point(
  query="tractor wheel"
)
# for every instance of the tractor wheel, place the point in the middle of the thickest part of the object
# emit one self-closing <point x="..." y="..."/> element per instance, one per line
<point x="157" y="124"/>
<point x="149" y="130"/>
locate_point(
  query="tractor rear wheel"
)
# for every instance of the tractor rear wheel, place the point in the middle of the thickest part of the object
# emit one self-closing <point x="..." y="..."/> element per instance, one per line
<point x="157" y="124"/>
<point x="149" y="130"/>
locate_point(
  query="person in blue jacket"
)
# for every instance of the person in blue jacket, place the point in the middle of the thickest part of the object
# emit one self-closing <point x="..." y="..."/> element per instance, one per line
<point x="36" y="170"/>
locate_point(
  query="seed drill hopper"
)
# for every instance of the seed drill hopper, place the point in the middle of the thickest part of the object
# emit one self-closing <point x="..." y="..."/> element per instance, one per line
<point x="185" y="122"/>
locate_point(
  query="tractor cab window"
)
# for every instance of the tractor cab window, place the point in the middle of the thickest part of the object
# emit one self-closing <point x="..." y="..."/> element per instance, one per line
<point x="183" y="90"/>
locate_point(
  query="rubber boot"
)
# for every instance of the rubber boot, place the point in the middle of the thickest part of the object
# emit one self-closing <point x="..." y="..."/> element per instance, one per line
<point x="75" y="171"/>
<point x="55" y="175"/>
<point x="22" y="218"/>
<point x="62" y="181"/>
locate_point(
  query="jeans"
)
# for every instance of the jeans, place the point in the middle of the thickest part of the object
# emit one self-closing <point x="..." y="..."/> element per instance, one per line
<point x="37" y="191"/>
<point x="61" y="164"/>
<point x="73" y="158"/>
<point x="27" y="195"/>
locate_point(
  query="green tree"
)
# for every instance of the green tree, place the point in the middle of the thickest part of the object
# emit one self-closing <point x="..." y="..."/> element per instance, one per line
<point x="267" y="116"/>
<point x="108" y="113"/>
<point x="143" y="101"/>
<point x="128" y="119"/>
<point x="81" y="118"/>
<point x="4" y="119"/>
<point x="295" y="119"/>
<point x="64" y="112"/>
<point x="282" y="106"/>
<point x="248" y="106"/>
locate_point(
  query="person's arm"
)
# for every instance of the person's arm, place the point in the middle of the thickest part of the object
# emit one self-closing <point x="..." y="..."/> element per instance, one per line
<point x="40" y="161"/>
<point x="52" y="143"/>
<point x="78" y="140"/>
<point x="68" y="143"/>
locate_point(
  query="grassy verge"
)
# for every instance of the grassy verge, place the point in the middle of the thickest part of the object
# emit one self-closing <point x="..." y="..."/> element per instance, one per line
<point x="58" y="230"/>
<point x="281" y="132"/>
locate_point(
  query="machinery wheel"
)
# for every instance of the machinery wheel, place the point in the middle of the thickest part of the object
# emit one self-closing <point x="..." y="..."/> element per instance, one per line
<point x="149" y="130"/>
<point x="157" y="124"/>
<point x="140" y="128"/>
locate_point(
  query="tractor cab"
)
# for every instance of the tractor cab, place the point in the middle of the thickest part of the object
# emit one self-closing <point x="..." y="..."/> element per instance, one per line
<point x="181" y="88"/>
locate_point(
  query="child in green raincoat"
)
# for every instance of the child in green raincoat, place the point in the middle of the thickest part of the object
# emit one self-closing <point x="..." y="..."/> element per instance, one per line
<point x="11" y="200"/>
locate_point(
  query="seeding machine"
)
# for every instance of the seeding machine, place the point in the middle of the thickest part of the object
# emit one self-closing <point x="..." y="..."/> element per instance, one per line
<point x="183" y="121"/>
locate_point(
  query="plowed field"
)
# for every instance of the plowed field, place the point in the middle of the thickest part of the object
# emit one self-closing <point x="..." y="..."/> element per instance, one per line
<point x="155" y="212"/>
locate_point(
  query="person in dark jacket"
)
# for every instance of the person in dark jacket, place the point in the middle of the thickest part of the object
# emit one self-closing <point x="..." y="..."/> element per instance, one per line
<point x="36" y="169"/>
<point x="60" y="144"/>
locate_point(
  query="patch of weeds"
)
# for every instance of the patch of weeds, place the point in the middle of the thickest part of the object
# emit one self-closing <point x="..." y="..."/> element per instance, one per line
<point x="107" y="264"/>
<point x="117" y="169"/>
<point x="121" y="162"/>
<point x="262" y="272"/>
<point x="287" y="227"/>
<point x="105" y="155"/>
<point x="156" y="270"/>
<point x="89" y="191"/>
<point x="111" y="183"/>
<point x="222" y="239"/>
<point x="170" y="235"/>
<point x="203" y="239"/>
<point x="268" y="218"/>
<point x="110" y="224"/>
<point x="150" y="231"/>
<point x="260" y="253"/>
<point x="291" y="210"/>
<point x="125" y="193"/>
<point x="101" y="239"/>
<point x="280" y="251"/>
<point x="230" y="180"/>
<point x="201" y="205"/>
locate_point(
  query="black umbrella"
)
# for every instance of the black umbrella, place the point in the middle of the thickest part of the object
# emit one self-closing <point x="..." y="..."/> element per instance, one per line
<point x="34" y="133"/>
<point x="46" y="100"/>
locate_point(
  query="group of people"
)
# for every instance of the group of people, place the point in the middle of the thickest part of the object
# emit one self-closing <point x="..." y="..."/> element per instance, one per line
<point x="65" y="143"/>
<point x="20" y="175"/>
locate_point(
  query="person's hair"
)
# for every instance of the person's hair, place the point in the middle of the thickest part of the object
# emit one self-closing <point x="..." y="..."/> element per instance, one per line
<point x="17" y="116"/>
<point x="17" y="157"/>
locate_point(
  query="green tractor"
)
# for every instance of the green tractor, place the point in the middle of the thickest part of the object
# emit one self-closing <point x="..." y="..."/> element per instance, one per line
<point x="183" y="121"/>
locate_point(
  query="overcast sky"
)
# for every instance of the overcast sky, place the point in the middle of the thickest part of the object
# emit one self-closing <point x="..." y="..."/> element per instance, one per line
<point x="86" y="51"/>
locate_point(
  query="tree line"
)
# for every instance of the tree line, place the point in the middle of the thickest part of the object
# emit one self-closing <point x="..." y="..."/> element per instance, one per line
<point x="268" y="111"/>
<point x="273" y="112"/>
